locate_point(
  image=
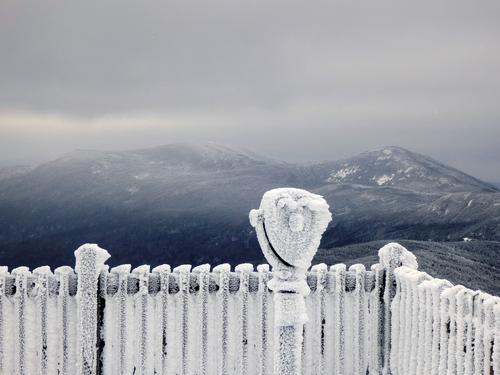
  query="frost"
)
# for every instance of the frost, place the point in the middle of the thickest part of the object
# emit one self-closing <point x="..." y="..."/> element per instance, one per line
<point x="143" y="325"/>
<point x="183" y="322"/>
<point x="395" y="255"/>
<point x="244" y="267"/>
<point x="389" y="319"/>
<point x="293" y="221"/>
<point x="90" y="260"/>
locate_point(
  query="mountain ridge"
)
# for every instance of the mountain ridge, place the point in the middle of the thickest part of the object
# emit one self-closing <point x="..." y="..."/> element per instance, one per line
<point x="189" y="203"/>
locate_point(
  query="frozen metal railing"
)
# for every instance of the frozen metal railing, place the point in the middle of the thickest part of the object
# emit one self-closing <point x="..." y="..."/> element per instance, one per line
<point x="220" y="322"/>
<point x="443" y="329"/>
<point x="168" y="322"/>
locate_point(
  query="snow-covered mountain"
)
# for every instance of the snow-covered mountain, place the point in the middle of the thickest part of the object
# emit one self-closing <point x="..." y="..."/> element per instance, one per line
<point x="398" y="167"/>
<point x="190" y="202"/>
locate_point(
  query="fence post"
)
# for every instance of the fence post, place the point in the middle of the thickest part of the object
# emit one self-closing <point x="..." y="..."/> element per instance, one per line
<point x="42" y="279"/>
<point x="222" y="274"/>
<point x="3" y="274"/>
<point x="391" y="256"/>
<point x="202" y="271"/>
<point x="183" y="280"/>
<point x="289" y="225"/>
<point x="90" y="260"/>
<point x="21" y="299"/>
<point x="63" y="317"/>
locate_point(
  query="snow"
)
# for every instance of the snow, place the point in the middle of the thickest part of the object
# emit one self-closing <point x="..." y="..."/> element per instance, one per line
<point x="383" y="179"/>
<point x="341" y="174"/>
<point x="294" y="223"/>
<point x="385" y="154"/>
<point x="245" y="267"/>
<point x="394" y="255"/>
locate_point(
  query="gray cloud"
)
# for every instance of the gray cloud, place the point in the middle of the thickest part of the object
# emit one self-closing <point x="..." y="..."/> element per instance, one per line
<point x="294" y="79"/>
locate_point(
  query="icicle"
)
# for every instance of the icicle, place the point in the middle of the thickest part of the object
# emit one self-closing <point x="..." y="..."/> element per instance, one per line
<point x="339" y="271"/>
<point x="263" y="293"/>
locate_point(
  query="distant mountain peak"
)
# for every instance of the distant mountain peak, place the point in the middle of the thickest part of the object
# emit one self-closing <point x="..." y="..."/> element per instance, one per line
<point x="207" y="155"/>
<point x="398" y="167"/>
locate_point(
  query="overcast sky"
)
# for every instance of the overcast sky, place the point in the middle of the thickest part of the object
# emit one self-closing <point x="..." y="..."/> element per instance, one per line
<point x="304" y="80"/>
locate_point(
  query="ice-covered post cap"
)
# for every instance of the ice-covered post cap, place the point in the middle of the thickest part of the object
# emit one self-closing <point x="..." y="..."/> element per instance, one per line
<point x="395" y="255"/>
<point x="289" y="226"/>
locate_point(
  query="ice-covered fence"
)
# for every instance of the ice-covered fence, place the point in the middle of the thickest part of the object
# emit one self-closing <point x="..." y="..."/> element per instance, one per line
<point x="220" y="321"/>
<point x="438" y="328"/>
<point x="180" y="321"/>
